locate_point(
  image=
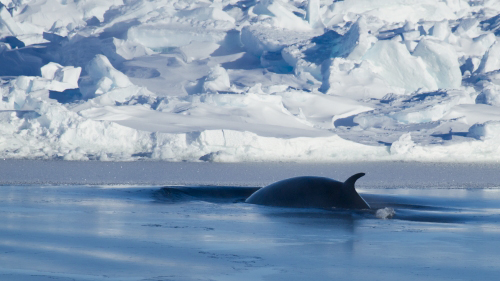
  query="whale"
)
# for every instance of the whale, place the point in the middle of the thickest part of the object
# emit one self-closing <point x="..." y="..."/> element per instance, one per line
<point x="311" y="192"/>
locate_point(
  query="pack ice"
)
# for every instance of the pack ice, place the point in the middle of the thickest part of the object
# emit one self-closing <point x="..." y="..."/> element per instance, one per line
<point x="269" y="80"/>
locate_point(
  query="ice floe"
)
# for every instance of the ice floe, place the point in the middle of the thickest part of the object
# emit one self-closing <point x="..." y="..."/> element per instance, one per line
<point x="272" y="80"/>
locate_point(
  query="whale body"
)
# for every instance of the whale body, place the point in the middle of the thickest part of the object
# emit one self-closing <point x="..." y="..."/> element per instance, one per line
<point x="310" y="192"/>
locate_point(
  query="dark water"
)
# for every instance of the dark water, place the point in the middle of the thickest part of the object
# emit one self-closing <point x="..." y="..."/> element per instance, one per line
<point x="217" y="194"/>
<point x="67" y="232"/>
<point x="420" y="205"/>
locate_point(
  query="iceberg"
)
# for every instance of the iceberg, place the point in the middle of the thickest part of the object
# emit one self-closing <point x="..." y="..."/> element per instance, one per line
<point x="231" y="81"/>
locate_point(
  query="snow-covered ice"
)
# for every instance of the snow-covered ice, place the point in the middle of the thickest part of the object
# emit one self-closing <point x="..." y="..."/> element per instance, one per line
<point x="232" y="81"/>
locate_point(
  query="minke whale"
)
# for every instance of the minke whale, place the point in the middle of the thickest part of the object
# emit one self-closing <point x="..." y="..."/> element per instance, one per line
<point x="310" y="192"/>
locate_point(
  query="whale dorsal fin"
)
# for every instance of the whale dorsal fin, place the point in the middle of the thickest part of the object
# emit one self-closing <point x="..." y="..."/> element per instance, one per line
<point x="351" y="195"/>
<point x="349" y="183"/>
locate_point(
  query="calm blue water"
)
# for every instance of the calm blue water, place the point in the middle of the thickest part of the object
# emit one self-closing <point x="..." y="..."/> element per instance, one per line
<point x="444" y="227"/>
<point x="143" y="233"/>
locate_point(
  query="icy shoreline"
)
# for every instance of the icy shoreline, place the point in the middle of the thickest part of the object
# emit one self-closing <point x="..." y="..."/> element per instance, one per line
<point x="242" y="81"/>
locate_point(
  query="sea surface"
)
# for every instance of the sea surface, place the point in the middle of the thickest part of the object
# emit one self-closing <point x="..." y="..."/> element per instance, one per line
<point x="442" y="229"/>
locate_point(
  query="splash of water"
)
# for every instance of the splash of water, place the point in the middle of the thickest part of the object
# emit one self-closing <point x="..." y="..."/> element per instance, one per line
<point x="385" y="213"/>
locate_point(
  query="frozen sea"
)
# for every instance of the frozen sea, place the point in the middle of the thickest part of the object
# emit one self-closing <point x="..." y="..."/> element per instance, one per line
<point x="146" y="220"/>
<point x="244" y="80"/>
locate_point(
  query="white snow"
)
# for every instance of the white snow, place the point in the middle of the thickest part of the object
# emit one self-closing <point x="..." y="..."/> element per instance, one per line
<point x="442" y="63"/>
<point x="399" y="68"/>
<point x="273" y="80"/>
<point x="313" y="15"/>
<point x="65" y="74"/>
<point x="401" y="10"/>
<point x="216" y="80"/>
<point x="487" y="130"/>
<point x="491" y="60"/>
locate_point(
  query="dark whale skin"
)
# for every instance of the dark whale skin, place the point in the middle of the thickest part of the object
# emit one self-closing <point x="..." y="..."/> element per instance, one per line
<point x="310" y="192"/>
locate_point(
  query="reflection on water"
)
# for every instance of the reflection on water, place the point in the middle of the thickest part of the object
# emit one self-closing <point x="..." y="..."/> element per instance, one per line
<point x="218" y="194"/>
<point x="182" y="233"/>
<point x="423" y="205"/>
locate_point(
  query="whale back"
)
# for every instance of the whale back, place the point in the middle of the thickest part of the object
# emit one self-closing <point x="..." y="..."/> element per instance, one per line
<point x="299" y="192"/>
<point x="310" y="192"/>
